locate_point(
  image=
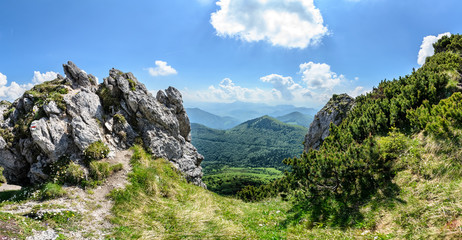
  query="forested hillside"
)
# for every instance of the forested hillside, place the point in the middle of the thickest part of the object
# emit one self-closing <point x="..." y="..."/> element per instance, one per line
<point x="296" y="118"/>
<point x="260" y="144"/>
<point x="393" y="163"/>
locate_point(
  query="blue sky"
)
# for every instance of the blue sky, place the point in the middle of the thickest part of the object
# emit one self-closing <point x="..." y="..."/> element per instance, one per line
<point x="273" y="51"/>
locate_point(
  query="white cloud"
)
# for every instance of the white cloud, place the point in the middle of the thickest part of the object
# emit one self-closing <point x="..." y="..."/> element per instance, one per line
<point x="426" y="49"/>
<point x="13" y="91"/>
<point x="286" y="23"/>
<point x="161" y="69"/>
<point x="319" y="76"/>
<point x="284" y="85"/>
<point x="3" y="80"/>
<point x="284" y="90"/>
<point x="43" y="77"/>
<point x="359" y="90"/>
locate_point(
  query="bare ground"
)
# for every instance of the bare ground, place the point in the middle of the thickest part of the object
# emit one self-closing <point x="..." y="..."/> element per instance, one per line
<point x="92" y="204"/>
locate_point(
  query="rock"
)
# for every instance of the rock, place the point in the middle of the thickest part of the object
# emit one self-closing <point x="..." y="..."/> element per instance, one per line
<point x="84" y="104"/>
<point x="161" y="122"/>
<point x="51" y="136"/>
<point x="15" y="168"/>
<point x="79" y="78"/>
<point x="333" y="112"/>
<point x="85" y="132"/>
<point x="49" y="234"/>
<point x="51" y="108"/>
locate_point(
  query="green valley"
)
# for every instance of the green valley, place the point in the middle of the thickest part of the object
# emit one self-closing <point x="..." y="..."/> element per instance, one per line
<point x="256" y="146"/>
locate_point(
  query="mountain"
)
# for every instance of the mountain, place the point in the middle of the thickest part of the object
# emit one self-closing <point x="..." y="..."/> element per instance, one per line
<point x="197" y="115"/>
<point x="261" y="142"/>
<point x="244" y="111"/>
<point x="296" y="118"/>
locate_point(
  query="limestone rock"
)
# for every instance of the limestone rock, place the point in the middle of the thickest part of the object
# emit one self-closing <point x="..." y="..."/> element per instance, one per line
<point x="333" y="112"/>
<point x="90" y="116"/>
<point x="78" y="77"/>
<point x="51" y="108"/>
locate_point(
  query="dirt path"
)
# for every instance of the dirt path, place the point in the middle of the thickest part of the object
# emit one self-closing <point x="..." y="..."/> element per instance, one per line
<point x="92" y="204"/>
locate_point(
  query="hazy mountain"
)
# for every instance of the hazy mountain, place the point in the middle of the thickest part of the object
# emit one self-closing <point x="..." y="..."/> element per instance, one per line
<point x="197" y="115"/>
<point x="296" y="118"/>
<point x="244" y="111"/>
<point x="261" y="142"/>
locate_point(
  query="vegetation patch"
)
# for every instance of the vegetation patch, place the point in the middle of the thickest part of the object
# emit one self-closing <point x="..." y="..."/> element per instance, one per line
<point x="132" y="84"/>
<point x="51" y="191"/>
<point x="96" y="151"/>
<point x="2" y="178"/>
<point x="230" y="180"/>
<point x="119" y="118"/>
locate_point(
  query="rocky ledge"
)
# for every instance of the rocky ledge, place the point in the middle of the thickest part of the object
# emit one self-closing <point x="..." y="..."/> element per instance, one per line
<point x="61" y="118"/>
<point x="333" y="112"/>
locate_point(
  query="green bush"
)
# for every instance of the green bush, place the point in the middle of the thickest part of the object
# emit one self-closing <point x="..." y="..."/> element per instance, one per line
<point x="2" y="178"/>
<point x="117" y="167"/>
<point x="132" y="84"/>
<point x="51" y="191"/>
<point x="96" y="151"/>
<point x="119" y="118"/>
<point x="74" y="174"/>
<point x="99" y="170"/>
<point x="107" y="99"/>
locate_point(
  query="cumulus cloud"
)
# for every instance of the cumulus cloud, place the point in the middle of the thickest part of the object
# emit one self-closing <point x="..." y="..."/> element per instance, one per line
<point x="319" y="76"/>
<point x="13" y="91"/>
<point x="426" y="49"/>
<point x="284" y="85"/>
<point x="43" y="77"/>
<point x="284" y="90"/>
<point x="286" y="23"/>
<point x="359" y="90"/>
<point x="161" y="69"/>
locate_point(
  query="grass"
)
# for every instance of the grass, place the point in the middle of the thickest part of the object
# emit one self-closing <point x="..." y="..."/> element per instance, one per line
<point x="160" y="204"/>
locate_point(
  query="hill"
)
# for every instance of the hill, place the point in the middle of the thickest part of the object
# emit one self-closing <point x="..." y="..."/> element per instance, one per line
<point x="197" y="115"/>
<point x="296" y="118"/>
<point x="261" y="142"/>
<point x="248" y="154"/>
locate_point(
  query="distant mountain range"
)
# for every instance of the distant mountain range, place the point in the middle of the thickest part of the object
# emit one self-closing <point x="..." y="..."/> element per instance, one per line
<point x="243" y="111"/>
<point x="210" y="120"/>
<point x="261" y="142"/>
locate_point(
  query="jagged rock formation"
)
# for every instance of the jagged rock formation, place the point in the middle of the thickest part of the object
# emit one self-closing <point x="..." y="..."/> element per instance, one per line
<point x="333" y="112"/>
<point x="61" y="118"/>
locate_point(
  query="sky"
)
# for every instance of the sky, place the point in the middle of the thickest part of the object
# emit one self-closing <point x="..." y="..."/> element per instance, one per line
<point x="297" y="52"/>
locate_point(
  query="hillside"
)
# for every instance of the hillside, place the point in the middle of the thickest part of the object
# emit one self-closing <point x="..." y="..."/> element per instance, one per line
<point x="197" y="115"/>
<point x="296" y="118"/>
<point x="248" y="154"/>
<point x="261" y="142"/>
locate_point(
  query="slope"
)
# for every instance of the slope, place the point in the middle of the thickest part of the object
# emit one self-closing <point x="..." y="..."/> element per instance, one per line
<point x="197" y="115"/>
<point x="261" y="142"/>
<point x="296" y="118"/>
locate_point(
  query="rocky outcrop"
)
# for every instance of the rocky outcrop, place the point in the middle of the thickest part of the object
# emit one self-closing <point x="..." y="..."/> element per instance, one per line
<point x="61" y="118"/>
<point x="333" y="112"/>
